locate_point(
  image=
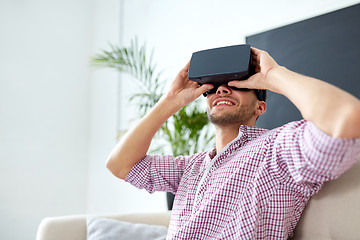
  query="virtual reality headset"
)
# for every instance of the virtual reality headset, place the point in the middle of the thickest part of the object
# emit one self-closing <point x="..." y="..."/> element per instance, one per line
<point x="218" y="66"/>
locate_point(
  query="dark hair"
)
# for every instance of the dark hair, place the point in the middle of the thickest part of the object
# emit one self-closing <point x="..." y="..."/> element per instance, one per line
<point x="260" y="94"/>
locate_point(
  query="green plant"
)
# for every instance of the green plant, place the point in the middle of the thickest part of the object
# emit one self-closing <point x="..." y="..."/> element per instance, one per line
<point x="187" y="131"/>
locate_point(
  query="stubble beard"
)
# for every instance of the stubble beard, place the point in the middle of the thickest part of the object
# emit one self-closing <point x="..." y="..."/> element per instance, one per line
<point x="240" y="117"/>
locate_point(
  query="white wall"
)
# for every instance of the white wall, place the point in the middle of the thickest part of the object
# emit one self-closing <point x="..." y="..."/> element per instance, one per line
<point x="44" y="112"/>
<point x="111" y="112"/>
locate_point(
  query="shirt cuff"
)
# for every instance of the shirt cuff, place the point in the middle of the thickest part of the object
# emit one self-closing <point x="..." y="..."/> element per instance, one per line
<point x="138" y="173"/>
<point x="329" y="155"/>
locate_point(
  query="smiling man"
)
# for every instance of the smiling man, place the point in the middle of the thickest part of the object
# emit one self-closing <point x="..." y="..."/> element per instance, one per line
<point x="255" y="183"/>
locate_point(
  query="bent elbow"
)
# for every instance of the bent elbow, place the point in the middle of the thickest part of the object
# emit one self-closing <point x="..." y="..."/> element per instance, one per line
<point x="113" y="166"/>
<point x="350" y="126"/>
<point x="109" y="165"/>
<point x="355" y="122"/>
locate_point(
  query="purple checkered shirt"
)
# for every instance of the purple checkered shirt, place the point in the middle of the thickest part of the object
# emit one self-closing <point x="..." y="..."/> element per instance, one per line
<point x="255" y="188"/>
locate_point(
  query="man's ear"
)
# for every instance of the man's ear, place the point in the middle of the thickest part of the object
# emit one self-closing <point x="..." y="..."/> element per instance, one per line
<point x="261" y="108"/>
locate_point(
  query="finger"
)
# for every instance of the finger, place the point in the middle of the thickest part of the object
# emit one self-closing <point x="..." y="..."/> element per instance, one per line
<point x="239" y="84"/>
<point x="187" y="65"/>
<point x="255" y="63"/>
<point x="202" y="89"/>
<point x="255" y="51"/>
<point x="184" y="71"/>
<point x="251" y="82"/>
<point x="255" y="55"/>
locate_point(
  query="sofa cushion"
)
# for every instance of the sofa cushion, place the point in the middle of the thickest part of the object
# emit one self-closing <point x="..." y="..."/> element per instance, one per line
<point x="104" y="228"/>
<point x="333" y="213"/>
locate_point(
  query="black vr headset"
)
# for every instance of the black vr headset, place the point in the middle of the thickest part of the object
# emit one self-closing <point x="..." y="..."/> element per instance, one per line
<point x="218" y="66"/>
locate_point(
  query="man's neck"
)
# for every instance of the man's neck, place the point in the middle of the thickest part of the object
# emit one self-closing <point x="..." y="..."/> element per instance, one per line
<point x="225" y="135"/>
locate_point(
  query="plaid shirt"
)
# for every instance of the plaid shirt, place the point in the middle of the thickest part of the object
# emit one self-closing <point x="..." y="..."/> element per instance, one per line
<point x="255" y="188"/>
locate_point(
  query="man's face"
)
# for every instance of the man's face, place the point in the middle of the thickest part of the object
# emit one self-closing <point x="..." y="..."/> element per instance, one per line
<point x="231" y="107"/>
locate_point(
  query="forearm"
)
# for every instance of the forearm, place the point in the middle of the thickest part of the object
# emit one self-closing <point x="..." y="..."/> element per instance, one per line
<point x="135" y="144"/>
<point x="331" y="109"/>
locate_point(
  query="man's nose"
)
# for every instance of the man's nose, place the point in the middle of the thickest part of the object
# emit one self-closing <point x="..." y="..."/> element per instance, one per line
<point x="223" y="89"/>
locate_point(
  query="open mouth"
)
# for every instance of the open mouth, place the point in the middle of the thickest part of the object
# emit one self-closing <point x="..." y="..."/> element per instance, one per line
<point x="223" y="102"/>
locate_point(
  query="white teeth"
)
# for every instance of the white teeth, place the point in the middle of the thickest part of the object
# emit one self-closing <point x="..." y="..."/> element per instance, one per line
<point x="224" y="102"/>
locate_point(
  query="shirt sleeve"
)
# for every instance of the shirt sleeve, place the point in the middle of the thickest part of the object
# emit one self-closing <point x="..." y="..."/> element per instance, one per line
<point x="158" y="173"/>
<point x="313" y="156"/>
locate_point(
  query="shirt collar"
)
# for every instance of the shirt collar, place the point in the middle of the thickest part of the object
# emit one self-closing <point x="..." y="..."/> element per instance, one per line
<point x="246" y="133"/>
<point x="250" y="132"/>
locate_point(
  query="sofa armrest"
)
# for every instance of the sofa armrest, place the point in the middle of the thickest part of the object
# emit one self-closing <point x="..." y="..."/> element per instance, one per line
<point x="333" y="213"/>
<point x="66" y="227"/>
<point x="73" y="227"/>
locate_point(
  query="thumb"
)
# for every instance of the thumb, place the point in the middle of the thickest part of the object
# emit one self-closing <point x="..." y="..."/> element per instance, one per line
<point x="202" y="89"/>
<point x="253" y="82"/>
<point x="239" y="84"/>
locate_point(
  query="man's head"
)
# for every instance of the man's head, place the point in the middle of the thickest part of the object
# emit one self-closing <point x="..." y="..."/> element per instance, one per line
<point x="234" y="106"/>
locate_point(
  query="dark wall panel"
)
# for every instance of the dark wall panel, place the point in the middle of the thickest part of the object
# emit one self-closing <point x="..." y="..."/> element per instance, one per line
<point x="326" y="47"/>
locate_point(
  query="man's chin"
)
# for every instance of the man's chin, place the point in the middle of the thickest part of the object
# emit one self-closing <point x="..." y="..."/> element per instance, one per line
<point x="226" y="118"/>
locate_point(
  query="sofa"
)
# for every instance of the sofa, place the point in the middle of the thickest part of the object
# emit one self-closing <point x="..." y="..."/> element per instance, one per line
<point x="333" y="213"/>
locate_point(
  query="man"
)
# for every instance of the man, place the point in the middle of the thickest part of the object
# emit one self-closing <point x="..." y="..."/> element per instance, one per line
<point x="255" y="183"/>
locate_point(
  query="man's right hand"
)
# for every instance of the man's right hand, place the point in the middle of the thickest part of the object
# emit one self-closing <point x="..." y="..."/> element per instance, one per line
<point x="183" y="91"/>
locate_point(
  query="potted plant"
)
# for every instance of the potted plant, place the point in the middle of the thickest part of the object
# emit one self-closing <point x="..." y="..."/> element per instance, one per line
<point x="187" y="131"/>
